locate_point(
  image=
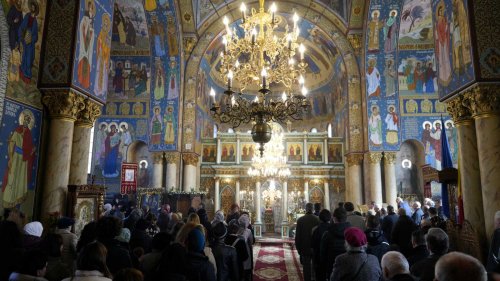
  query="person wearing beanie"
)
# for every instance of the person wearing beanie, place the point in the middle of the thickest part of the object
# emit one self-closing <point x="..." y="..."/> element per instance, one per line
<point x="32" y="235"/>
<point x="234" y="239"/>
<point x="226" y="257"/>
<point x="356" y="264"/>
<point x="198" y="265"/>
<point x="68" y="254"/>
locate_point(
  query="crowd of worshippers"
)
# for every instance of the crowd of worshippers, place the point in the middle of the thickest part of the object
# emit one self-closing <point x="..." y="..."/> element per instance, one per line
<point x="129" y="244"/>
<point x="386" y="244"/>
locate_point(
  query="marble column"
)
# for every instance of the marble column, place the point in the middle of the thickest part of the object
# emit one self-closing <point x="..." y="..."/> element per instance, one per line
<point x="284" y="211"/>
<point x="327" y="195"/>
<point x="63" y="107"/>
<point x="81" y="142"/>
<point x="217" y="194"/>
<point x="305" y="151"/>
<point x="237" y="195"/>
<point x="190" y="162"/>
<point x="306" y="191"/>
<point x="354" y="186"/>
<point x="258" y="213"/>
<point x="157" y="169"/>
<point x="375" y="173"/>
<point x="468" y="164"/>
<point x="238" y="149"/>
<point x="219" y="150"/>
<point x="172" y="159"/>
<point x="325" y="150"/>
<point x="391" y="191"/>
<point x="483" y="100"/>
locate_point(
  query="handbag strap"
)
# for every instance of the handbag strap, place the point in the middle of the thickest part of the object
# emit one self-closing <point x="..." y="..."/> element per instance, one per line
<point x="359" y="269"/>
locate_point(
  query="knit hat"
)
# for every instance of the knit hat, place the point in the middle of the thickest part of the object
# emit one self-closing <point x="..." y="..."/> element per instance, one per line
<point x="219" y="216"/>
<point x="124" y="235"/>
<point x="244" y="220"/>
<point x="34" y="228"/>
<point x="196" y="241"/>
<point x="219" y="229"/>
<point x="355" y="237"/>
<point x="65" y="222"/>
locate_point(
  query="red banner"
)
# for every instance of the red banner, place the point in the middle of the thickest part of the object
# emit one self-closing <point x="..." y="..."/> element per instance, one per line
<point x="129" y="178"/>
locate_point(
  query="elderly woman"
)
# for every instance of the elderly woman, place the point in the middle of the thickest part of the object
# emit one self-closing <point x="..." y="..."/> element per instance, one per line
<point x="356" y="264"/>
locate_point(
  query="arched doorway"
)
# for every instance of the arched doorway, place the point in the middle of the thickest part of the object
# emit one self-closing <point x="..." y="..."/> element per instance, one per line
<point x="138" y="153"/>
<point x="409" y="162"/>
<point x="227" y="198"/>
<point x="316" y="195"/>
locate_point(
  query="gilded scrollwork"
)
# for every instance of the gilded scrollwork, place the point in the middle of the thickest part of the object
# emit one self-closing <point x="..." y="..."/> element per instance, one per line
<point x="458" y="109"/>
<point x="63" y="104"/>
<point x="190" y="159"/>
<point x="374" y="157"/>
<point x="87" y="116"/>
<point x="353" y="159"/>
<point x="483" y="99"/>
<point x="389" y="157"/>
<point x="172" y="157"/>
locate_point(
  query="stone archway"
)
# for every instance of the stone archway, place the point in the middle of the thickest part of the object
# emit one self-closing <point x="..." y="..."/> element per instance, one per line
<point x="138" y="153"/>
<point x="323" y="19"/>
<point x="4" y="58"/>
<point x="409" y="161"/>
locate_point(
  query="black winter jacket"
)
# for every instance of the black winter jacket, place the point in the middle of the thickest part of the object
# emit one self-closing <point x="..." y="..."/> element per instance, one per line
<point x="332" y="245"/>
<point x="226" y="259"/>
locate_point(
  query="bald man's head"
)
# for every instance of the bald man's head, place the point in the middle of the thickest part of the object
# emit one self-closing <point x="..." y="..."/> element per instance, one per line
<point x="457" y="266"/>
<point x="394" y="263"/>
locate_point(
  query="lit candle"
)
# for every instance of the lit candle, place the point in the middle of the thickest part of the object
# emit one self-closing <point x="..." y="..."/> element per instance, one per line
<point x="233" y="101"/>
<point x="254" y="35"/>
<point x="295" y="20"/>
<point x="301" y="80"/>
<point x="289" y="39"/>
<point x="291" y="61"/>
<point x="273" y="11"/>
<point x="237" y="64"/>
<point x="224" y="41"/>
<point x="243" y="9"/>
<point x="256" y="99"/>
<point x="302" y="49"/>
<point x="212" y="94"/>
<point x="304" y="91"/>
<point x="264" y="74"/>
<point x="283" y="96"/>
<point x="225" y="20"/>
<point x="229" y="79"/>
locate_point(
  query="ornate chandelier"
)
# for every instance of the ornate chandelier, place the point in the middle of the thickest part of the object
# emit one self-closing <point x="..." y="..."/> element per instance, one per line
<point x="260" y="57"/>
<point x="271" y="194"/>
<point x="273" y="163"/>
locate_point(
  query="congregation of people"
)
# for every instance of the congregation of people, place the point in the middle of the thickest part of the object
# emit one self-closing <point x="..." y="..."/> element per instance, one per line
<point x="399" y="244"/>
<point x="128" y="243"/>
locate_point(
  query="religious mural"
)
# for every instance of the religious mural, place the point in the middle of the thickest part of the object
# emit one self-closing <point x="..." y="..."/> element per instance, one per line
<point x="25" y="20"/>
<point x="129" y="77"/>
<point x="315" y="152"/>
<point x="247" y="151"/>
<point x="19" y="143"/>
<point x="93" y="48"/>
<point x="335" y="153"/>
<point x="228" y="152"/>
<point x="452" y="45"/>
<point x="165" y="74"/>
<point x="338" y="6"/>
<point x="130" y="30"/>
<point x="416" y="28"/>
<point x="209" y="153"/>
<point x="294" y="151"/>
<point x="417" y="73"/>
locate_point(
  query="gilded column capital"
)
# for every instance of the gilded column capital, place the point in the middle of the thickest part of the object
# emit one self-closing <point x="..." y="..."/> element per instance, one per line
<point x="374" y="157"/>
<point x="458" y="109"/>
<point x="483" y="99"/>
<point x="87" y="116"/>
<point x="63" y="104"/>
<point x="389" y="157"/>
<point x="354" y="159"/>
<point x="158" y="157"/>
<point x="356" y="40"/>
<point x="190" y="158"/>
<point x="172" y="157"/>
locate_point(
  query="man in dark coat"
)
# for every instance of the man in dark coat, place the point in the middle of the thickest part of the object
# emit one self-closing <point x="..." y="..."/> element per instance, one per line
<point x="420" y="251"/>
<point x="492" y="264"/>
<point x="377" y="244"/>
<point x="198" y="266"/>
<point x="226" y="257"/>
<point x="401" y="234"/>
<point x="389" y="222"/>
<point x="118" y="257"/>
<point x="395" y="267"/>
<point x="437" y="243"/>
<point x="317" y="233"/>
<point x="305" y="224"/>
<point x="333" y="241"/>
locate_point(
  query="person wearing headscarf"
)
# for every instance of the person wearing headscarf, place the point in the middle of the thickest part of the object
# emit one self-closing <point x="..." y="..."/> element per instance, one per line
<point x="198" y="265"/>
<point x="32" y="235"/>
<point x="226" y="257"/>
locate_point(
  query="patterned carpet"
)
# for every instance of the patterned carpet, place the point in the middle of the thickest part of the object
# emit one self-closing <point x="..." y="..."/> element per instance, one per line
<point x="277" y="261"/>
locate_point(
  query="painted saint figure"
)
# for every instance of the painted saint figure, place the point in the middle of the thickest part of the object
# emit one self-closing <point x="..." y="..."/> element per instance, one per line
<point x="159" y="89"/>
<point x="14" y="19"/>
<point x="173" y="89"/>
<point x="428" y="144"/>
<point x="170" y="124"/>
<point x="409" y="72"/>
<point x="373" y="78"/>
<point x="390" y="30"/>
<point x="418" y="77"/>
<point x="118" y="79"/>
<point x="156" y="127"/>
<point x="390" y="78"/>
<point x="375" y="127"/>
<point x="103" y="52"/>
<point x="442" y="34"/>
<point x="100" y="137"/>
<point x="461" y="38"/>
<point x="374" y="28"/>
<point x="125" y="139"/>
<point x="21" y="158"/>
<point x="391" y="121"/>
<point x="142" y="79"/>
<point x="158" y="34"/>
<point x="86" y="48"/>
<point x="111" y="152"/>
<point x="28" y="36"/>
<point x="173" y="45"/>
<point x="430" y="74"/>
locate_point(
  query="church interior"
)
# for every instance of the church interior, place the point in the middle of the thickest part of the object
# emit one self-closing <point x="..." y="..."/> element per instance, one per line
<point x="260" y="106"/>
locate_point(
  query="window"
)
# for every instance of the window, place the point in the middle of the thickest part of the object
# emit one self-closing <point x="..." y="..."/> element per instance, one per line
<point x="91" y="146"/>
<point x="330" y="130"/>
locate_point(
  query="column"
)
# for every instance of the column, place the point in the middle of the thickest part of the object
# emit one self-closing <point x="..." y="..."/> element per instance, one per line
<point x="354" y="175"/>
<point x="391" y="191"/>
<point x="375" y="176"/>
<point x="238" y="149"/>
<point x="237" y="195"/>
<point x="468" y="164"/>
<point x="219" y="151"/>
<point x="81" y="142"/>
<point x="325" y="150"/>
<point x="217" y="194"/>
<point x="484" y="103"/>
<point x="172" y="158"/>
<point x="305" y="151"/>
<point x="258" y="214"/>
<point x="157" y="169"/>
<point x="63" y="107"/>
<point x="190" y="162"/>
<point x="284" y="210"/>
<point x="327" y="195"/>
<point x="306" y="190"/>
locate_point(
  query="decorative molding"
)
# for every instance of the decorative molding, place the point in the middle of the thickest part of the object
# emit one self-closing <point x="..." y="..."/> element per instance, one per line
<point x="63" y="104"/>
<point x="374" y="157"/>
<point x="157" y="157"/>
<point x="190" y="159"/>
<point x="458" y="109"/>
<point x="354" y="159"/>
<point x="87" y="116"/>
<point x="389" y="157"/>
<point x="172" y="157"/>
<point x="483" y="99"/>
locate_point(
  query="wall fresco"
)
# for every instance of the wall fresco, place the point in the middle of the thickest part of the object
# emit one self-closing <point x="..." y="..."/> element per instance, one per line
<point x="130" y="34"/>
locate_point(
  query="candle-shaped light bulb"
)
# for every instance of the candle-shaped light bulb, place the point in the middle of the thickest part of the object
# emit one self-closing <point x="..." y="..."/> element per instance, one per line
<point x="256" y="99"/>
<point x="243" y="10"/>
<point x="301" y="80"/>
<point x="304" y="91"/>
<point x="233" y="101"/>
<point x="212" y="94"/>
<point x="237" y="64"/>
<point x="273" y="11"/>
<point x="264" y="74"/>
<point x="291" y="61"/>
<point x="302" y="49"/>
<point x="295" y="20"/>
<point x="229" y="79"/>
<point x="224" y="41"/>
<point x="254" y="35"/>
<point x="225" y="20"/>
<point x="283" y="96"/>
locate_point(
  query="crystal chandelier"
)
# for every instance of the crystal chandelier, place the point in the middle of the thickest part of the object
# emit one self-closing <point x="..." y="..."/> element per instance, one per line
<point x="261" y="56"/>
<point x="273" y="163"/>
<point x="271" y="194"/>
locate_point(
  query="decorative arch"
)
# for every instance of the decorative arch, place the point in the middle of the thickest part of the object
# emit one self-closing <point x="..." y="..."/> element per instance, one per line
<point x="317" y="14"/>
<point x="316" y="195"/>
<point x="227" y="198"/>
<point x="409" y="180"/>
<point x="4" y="58"/>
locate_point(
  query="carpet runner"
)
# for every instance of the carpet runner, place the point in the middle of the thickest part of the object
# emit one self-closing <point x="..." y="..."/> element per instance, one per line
<point x="276" y="262"/>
